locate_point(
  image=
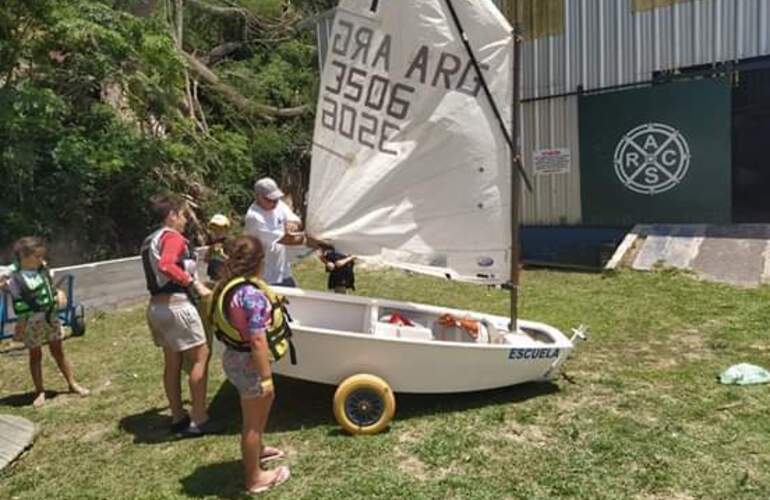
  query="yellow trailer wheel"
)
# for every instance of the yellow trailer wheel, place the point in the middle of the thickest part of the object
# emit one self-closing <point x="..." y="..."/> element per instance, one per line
<point x="364" y="404"/>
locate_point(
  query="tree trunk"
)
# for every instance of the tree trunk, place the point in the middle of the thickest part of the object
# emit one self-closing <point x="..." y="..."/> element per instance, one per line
<point x="221" y="52"/>
<point x="178" y="22"/>
<point x="236" y="98"/>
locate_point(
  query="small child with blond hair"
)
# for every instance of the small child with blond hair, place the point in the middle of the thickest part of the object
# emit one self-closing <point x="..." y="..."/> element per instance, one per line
<point x="219" y="227"/>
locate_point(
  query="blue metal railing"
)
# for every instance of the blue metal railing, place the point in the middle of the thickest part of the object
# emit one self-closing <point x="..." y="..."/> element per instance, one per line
<point x="71" y="315"/>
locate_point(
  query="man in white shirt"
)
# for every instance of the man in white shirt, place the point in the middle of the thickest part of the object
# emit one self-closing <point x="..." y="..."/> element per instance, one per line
<point x="272" y="222"/>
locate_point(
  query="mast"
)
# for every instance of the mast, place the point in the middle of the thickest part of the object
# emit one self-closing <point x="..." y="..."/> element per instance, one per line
<point x="516" y="167"/>
<point x="487" y="93"/>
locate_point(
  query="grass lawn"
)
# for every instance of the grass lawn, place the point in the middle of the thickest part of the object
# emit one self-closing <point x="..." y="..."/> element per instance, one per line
<point x="642" y="417"/>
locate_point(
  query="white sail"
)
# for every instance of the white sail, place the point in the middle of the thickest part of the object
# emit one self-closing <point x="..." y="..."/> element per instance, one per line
<point x="410" y="167"/>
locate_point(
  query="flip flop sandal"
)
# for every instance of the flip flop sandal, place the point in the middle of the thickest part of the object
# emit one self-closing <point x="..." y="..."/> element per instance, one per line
<point x="271" y="454"/>
<point x="282" y="475"/>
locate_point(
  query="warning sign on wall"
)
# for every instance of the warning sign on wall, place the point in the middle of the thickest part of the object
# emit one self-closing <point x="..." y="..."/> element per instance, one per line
<point x="551" y="161"/>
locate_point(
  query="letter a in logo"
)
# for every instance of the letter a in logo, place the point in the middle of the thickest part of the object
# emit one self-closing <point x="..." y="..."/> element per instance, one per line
<point x="652" y="158"/>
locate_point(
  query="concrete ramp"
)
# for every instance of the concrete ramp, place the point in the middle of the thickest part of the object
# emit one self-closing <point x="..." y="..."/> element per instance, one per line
<point x="16" y="435"/>
<point x="737" y="254"/>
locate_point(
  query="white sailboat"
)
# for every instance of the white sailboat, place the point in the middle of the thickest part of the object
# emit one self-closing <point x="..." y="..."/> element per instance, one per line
<point x="412" y="168"/>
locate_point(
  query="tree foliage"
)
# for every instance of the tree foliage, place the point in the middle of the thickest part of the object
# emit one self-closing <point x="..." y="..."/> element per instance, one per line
<point x="102" y="104"/>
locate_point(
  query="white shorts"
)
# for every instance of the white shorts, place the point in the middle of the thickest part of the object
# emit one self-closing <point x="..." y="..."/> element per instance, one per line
<point x="175" y="323"/>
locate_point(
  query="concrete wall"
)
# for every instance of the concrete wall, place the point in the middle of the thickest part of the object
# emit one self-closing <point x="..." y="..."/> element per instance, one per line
<point x="106" y="285"/>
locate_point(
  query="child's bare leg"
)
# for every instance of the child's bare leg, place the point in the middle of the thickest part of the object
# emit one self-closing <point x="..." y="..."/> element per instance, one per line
<point x="255" y="413"/>
<point x="198" y="378"/>
<point x="36" y="369"/>
<point x="64" y="367"/>
<point x="172" y="367"/>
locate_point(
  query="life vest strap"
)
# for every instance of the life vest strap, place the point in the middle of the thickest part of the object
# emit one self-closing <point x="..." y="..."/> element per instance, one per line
<point x="236" y="346"/>
<point x="278" y="333"/>
<point x="292" y="349"/>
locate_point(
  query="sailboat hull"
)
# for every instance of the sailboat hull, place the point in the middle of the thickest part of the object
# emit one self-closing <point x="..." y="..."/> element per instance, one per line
<point x="337" y="336"/>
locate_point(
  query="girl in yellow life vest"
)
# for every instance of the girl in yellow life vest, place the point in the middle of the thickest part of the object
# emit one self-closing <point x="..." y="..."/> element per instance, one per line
<point x="35" y="302"/>
<point x="243" y="308"/>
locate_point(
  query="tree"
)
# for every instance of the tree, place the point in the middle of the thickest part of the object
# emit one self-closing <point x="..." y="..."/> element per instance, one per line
<point x="103" y="103"/>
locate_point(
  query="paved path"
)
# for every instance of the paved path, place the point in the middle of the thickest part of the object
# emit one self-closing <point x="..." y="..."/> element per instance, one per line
<point x="738" y="254"/>
<point x="16" y="435"/>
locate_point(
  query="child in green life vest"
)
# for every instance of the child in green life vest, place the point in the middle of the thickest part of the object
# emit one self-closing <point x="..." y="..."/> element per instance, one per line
<point x="35" y="302"/>
<point x="219" y="226"/>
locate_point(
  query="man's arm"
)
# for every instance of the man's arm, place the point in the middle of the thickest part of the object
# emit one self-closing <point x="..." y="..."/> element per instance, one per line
<point x="293" y="239"/>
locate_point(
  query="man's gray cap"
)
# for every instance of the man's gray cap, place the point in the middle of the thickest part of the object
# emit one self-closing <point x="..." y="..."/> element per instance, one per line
<point x="268" y="188"/>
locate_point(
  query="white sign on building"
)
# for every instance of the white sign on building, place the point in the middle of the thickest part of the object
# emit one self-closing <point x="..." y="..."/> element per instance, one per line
<point x="551" y="161"/>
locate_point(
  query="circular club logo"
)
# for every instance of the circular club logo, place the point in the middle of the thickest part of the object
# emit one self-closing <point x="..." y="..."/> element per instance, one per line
<point x="652" y="158"/>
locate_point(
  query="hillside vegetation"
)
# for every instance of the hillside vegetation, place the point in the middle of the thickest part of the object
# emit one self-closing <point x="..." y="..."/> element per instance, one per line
<point x="105" y="102"/>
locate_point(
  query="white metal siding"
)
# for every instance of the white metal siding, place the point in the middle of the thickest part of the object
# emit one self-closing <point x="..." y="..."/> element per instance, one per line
<point x="555" y="198"/>
<point x="605" y="43"/>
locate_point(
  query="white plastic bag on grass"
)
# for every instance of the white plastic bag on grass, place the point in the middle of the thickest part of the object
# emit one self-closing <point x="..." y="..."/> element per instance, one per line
<point x="745" y="374"/>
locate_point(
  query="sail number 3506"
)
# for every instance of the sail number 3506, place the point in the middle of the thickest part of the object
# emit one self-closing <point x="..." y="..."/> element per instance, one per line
<point x="377" y="95"/>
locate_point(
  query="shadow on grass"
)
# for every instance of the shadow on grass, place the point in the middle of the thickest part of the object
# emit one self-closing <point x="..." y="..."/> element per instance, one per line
<point x="13" y="349"/>
<point x="298" y="405"/>
<point x="149" y="427"/>
<point x="26" y="398"/>
<point x="222" y="480"/>
<point x="152" y="426"/>
<point x="417" y="405"/>
<point x="225" y="409"/>
<point x="301" y="404"/>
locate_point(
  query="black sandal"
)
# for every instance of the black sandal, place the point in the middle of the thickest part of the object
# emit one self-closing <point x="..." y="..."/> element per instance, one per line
<point x="192" y="430"/>
<point x="180" y="425"/>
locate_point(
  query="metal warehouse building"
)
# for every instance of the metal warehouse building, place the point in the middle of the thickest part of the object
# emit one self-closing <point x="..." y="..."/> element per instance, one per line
<point x="641" y="111"/>
<point x="638" y="111"/>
